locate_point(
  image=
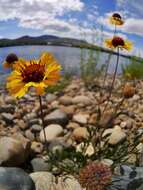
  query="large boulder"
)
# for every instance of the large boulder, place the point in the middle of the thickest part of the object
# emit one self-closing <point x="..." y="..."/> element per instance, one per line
<point x="127" y="178"/>
<point x="13" y="152"/>
<point x="46" y="181"/>
<point x="43" y="180"/>
<point x="15" y="179"/>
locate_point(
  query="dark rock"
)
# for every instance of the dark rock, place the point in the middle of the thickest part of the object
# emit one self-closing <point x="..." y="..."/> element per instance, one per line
<point x="128" y="178"/>
<point x="15" y="179"/>
<point x="36" y="128"/>
<point x="57" y="117"/>
<point x="7" y="117"/>
<point x="7" y="109"/>
<point x="33" y="122"/>
<point x="39" y="164"/>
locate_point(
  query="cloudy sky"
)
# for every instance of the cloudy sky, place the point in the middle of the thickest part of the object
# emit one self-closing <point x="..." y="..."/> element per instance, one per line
<point x="86" y="19"/>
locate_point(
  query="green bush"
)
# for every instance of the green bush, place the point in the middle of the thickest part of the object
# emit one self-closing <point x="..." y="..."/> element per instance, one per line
<point x="134" y="70"/>
<point x="89" y="67"/>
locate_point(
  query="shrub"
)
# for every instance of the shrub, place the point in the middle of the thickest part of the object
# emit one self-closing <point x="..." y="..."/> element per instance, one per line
<point x="134" y="70"/>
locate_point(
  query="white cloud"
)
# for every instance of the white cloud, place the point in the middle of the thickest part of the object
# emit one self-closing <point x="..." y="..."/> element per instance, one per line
<point x="48" y="15"/>
<point x="134" y="8"/>
<point x="34" y="8"/>
<point x="120" y="2"/>
<point x="42" y="14"/>
<point x="134" y="26"/>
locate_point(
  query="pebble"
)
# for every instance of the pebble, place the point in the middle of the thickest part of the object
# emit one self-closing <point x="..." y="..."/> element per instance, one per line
<point x="22" y="125"/>
<point x="50" y="98"/>
<point x="80" y="133"/>
<point x="69" y="110"/>
<point x="135" y="98"/>
<point x="37" y="147"/>
<point x="7" y="109"/>
<point x="39" y="164"/>
<point x="80" y="118"/>
<point x="52" y="131"/>
<point x="82" y="100"/>
<point x="72" y="125"/>
<point x="36" y="128"/>
<point x="116" y="136"/>
<point x="65" y="100"/>
<point x="29" y="116"/>
<point x="89" y="149"/>
<point x="29" y="135"/>
<point x="7" y="117"/>
<point x="57" y="117"/>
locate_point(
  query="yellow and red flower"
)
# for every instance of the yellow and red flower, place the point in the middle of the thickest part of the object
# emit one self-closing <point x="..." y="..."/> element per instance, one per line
<point x="33" y="73"/>
<point x="116" y="19"/>
<point x="118" y="42"/>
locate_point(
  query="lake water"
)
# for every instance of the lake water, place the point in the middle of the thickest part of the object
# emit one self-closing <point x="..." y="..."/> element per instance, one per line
<point x="68" y="57"/>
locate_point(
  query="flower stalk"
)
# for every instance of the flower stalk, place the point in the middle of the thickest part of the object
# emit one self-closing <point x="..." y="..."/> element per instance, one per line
<point x="115" y="20"/>
<point x="113" y="81"/>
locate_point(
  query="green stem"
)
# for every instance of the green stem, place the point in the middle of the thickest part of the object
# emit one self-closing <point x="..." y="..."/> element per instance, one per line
<point x="115" y="30"/>
<point x="113" y="81"/>
<point x="42" y="117"/>
<point x="106" y="72"/>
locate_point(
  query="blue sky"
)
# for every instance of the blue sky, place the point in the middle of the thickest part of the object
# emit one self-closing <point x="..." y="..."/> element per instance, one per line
<point x="72" y="18"/>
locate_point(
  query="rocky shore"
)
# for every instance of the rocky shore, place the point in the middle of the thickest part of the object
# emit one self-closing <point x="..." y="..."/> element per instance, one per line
<point x="66" y="115"/>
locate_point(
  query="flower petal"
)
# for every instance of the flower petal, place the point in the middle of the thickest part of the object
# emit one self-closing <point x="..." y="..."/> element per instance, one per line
<point x="46" y="58"/>
<point x="116" y="21"/>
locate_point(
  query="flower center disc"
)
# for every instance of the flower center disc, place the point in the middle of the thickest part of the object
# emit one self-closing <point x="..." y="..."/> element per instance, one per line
<point x="117" y="41"/>
<point x="33" y="73"/>
<point x="11" y="58"/>
<point x="116" y="15"/>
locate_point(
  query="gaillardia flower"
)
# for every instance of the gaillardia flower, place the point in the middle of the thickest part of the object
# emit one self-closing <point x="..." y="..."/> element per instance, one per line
<point x="116" y="19"/>
<point x="10" y="60"/>
<point x="34" y="73"/>
<point x="95" y="176"/>
<point x="118" y="42"/>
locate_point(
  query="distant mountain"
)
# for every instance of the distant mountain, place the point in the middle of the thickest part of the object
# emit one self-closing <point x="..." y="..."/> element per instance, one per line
<point x="42" y="40"/>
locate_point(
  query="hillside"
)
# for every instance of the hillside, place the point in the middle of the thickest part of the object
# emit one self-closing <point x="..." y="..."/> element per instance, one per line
<point x="41" y="40"/>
